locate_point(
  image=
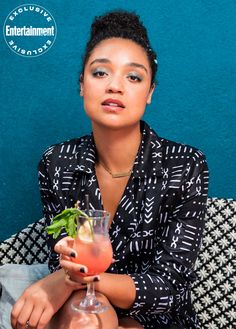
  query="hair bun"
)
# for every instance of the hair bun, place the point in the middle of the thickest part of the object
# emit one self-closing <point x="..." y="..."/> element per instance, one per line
<point x="118" y="21"/>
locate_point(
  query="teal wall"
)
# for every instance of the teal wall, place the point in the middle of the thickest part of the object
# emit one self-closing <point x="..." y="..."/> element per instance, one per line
<point x="193" y="103"/>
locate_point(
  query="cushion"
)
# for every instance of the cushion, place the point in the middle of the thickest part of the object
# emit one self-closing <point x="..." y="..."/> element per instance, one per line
<point x="214" y="293"/>
<point x="28" y="246"/>
<point x="13" y="281"/>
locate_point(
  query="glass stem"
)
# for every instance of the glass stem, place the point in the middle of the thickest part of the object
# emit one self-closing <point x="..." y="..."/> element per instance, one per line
<point x="90" y="290"/>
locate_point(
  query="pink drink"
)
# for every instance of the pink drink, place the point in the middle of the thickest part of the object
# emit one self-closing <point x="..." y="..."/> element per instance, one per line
<point x="96" y="255"/>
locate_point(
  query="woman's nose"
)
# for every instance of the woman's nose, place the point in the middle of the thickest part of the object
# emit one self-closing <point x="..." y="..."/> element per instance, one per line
<point x="115" y="85"/>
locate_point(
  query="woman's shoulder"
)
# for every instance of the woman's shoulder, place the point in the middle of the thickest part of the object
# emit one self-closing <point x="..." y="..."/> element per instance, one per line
<point x="183" y="160"/>
<point x="179" y="158"/>
<point x="67" y="149"/>
<point x="172" y="149"/>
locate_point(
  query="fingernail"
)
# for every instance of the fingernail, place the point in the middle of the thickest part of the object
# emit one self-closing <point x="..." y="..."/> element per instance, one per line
<point x="96" y="279"/>
<point x="72" y="254"/>
<point x="82" y="270"/>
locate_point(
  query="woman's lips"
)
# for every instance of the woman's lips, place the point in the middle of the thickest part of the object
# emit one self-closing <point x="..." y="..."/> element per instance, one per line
<point x="113" y="105"/>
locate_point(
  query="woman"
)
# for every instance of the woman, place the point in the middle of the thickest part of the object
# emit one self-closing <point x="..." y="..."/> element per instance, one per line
<point x="154" y="189"/>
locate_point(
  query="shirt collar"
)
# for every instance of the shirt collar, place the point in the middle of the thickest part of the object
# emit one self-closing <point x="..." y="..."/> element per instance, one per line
<point x="84" y="156"/>
<point x="148" y="161"/>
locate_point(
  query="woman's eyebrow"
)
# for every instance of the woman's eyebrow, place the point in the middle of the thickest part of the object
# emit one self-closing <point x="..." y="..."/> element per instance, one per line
<point x="132" y="64"/>
<point x="140" y="66"/>
<point x="100" y="60"/>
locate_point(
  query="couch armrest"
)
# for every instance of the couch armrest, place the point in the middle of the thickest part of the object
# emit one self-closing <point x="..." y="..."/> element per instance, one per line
<point x="214" y="291"/>
<point x="26" y="247"/>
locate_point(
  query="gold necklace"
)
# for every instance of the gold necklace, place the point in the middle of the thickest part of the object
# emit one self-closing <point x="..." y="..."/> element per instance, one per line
<point x="116" y="175"/>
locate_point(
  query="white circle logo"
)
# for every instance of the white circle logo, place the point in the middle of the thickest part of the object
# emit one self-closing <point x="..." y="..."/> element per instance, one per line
<point x="30" y="30"/>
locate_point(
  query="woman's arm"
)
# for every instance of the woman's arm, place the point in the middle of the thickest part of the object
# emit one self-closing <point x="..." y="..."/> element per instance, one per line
<point x="166" y="282"/>
<point x="118" y="288"/>
<point x="40" y="301"/>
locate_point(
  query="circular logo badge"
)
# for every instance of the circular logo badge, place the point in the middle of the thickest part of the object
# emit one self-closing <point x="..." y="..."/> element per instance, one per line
<point x="30" y="30"/>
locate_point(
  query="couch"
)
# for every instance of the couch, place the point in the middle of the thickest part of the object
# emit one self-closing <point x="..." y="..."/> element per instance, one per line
<point x="213" y="293"/>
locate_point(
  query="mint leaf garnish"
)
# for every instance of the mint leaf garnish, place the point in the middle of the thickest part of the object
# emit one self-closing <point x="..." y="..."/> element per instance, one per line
<point x="67" y="220"/>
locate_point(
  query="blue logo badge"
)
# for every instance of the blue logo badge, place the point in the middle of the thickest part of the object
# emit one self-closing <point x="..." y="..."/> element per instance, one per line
<point x="30" y="30"/>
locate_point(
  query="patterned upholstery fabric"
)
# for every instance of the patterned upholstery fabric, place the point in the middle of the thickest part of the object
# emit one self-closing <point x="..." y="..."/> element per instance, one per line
<point x="26" y="247"/>
<point x="214" y="293"/>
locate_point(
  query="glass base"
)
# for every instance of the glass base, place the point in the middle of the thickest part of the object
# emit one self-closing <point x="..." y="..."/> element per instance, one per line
<point x="88" y="305"/>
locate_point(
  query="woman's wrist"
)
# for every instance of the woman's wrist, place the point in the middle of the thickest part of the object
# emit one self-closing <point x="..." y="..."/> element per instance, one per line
<point x="63" y="282"/>
<point x="118" y="288"/>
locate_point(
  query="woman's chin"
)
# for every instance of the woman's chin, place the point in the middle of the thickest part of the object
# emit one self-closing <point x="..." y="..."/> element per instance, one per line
<point x="114" y="122"/>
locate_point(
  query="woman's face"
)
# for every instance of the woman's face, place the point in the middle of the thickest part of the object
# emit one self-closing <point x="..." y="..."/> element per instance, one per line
<point x="116" y="83"/>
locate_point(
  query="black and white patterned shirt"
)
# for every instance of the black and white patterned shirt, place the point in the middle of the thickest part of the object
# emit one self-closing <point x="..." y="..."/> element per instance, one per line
<point x="158" y="226"/>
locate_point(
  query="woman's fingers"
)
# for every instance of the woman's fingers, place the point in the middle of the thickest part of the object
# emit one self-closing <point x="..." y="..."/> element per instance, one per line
<point x="65" y="247"/>
<point x="78" y="281"/>
<point x="35" y="317"/>
<point x="75" y="274"/>
<point x="24" y="316"/>
<point x="38" y="318"/>
<point x="40" y="302"/>
<point x="69" y="266"/>
<point x="45" y="318"/>
<point x="81" y="285"/>
<point x="16" y="311"/>
<point x="74" y="284"/>
<point x="89" y="279"/>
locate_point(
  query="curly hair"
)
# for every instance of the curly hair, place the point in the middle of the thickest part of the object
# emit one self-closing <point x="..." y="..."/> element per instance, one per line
<point x="120" y="24"/>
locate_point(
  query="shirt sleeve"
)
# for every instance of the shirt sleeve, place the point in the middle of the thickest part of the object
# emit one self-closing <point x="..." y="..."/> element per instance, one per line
<point x="165" y="285"/>
<point x="51" y="203"/>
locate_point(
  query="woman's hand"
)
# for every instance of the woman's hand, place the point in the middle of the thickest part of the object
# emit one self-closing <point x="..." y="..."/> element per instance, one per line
<point x="40" y="302"/>
<point x="75" y="273"/>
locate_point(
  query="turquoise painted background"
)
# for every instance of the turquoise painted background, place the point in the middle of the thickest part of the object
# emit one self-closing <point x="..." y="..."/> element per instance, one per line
<point x="194" y="101"/>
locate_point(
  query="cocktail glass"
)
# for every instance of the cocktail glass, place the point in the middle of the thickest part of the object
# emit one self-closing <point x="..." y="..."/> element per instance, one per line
<point x="94" y="250"/>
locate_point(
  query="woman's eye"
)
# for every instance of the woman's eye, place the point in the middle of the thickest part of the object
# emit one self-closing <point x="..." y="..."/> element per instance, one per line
<point x="99" y="74"/>
<point x="134" y="78"/>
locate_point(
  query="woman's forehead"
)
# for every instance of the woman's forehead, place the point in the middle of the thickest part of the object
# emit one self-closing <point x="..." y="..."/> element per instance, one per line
<point x="113" y="49"/>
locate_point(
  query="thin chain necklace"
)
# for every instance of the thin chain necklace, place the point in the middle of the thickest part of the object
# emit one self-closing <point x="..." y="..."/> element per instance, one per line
<point x="119" y="174"/>
<point x="116" y="175"/>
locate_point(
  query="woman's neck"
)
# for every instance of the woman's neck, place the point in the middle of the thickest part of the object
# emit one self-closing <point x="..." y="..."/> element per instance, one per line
<point x="117" y="149"/>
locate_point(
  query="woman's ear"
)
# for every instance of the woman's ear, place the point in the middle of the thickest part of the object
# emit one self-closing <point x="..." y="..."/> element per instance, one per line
<point x="81" y="85"/>
<point x="149" y="99"/>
